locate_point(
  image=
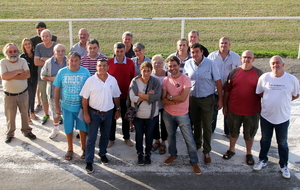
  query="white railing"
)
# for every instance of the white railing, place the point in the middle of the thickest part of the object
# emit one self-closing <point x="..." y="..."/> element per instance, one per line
<point x="183" y="19"/>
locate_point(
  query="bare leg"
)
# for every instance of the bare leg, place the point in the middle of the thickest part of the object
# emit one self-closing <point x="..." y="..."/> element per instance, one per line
<point x="70" y="141"/>
<point x="82" y="139"/>
<point x="232" y="142"/>
<point x="249" y="146"/>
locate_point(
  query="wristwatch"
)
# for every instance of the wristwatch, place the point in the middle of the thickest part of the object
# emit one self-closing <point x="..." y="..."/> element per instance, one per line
<point x="118" y="108"/>
<point x="171" y="97"/>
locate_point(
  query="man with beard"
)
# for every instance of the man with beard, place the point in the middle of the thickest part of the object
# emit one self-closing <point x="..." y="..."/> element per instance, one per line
<point x="14" y="73"/>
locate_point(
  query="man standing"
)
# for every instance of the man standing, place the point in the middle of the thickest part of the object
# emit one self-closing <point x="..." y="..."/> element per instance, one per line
<point x="182" y="52"/>
<point x="89" y="60"/>
<point x="240" y="86"/>
<point x="68" y="83"/>
<point x="277" y="89"/>
<point x="194" y="37"/>
<point x="80" y="47"/>
<point x="99" y="114"/>
<point x="205" y="79"/>
<point x="44" y="51"/>
<point x="127" y="40"/>
<point x="175" y="96"/>
<point x="48" y="73"/>
<point x="226" y="61"/>
<point x="39" y="27"/>
<point x="14" y="74"/>
<point x="123" y="69"/>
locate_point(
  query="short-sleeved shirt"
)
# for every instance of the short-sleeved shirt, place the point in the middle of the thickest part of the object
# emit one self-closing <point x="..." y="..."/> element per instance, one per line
<point x="42" y="51"/>
<point x="79" y="49"/>
<point x="70" y="83"/>
<point x="37" y="39"/>
<point x="137" y="65"/>
<point x="203" y="77"/>
<point x="231" y="61"/>
<point x="99" y="93"/>
<point x="241" y="85"/>
<point x="175" y="87"/>
<point x="277" y="96"/>
<point x="13" y="86"/>
<point x="90" y="63"/>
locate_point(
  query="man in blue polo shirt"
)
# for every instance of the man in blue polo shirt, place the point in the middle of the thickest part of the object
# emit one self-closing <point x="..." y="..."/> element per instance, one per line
<point x="205" y="78"/>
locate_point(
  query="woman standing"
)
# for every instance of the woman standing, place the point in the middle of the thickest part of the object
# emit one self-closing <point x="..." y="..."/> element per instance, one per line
<point x="139" y="50"/>
<point x="144" y="94"/>
<point x="28" y="55"/>
<point x="160" y="73"/>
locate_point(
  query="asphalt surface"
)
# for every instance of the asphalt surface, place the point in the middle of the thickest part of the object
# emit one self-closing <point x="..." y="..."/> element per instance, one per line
<point x="40" y="164"/>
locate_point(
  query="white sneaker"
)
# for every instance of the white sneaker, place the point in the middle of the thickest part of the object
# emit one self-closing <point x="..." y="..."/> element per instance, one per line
<point x="54" y="132"/>
<point x="259" y="165"/>
<point x="285" y="172"/>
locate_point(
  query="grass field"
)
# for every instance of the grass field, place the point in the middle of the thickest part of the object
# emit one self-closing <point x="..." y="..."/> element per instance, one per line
<point x="264" y="37"/>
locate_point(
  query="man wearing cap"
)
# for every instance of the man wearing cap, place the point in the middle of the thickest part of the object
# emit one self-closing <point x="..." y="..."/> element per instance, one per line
<point x="37" y="39"/>
<point x="14" y="73"/>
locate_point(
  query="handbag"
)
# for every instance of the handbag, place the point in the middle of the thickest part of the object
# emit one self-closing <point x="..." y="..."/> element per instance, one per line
<point x="131" y="111"/>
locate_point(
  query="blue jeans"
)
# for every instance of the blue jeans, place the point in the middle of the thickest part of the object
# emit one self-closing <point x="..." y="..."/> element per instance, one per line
<point x="281" y="138"/>
<point x="102" y="121"/>
<point x="183" y="121"/>
<point x="144" y="126"/>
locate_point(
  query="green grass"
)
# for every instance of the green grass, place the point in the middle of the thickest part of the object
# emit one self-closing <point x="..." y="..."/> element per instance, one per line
<point x="264" y="37"/>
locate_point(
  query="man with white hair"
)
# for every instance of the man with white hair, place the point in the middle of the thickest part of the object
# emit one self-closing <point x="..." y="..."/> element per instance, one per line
<point x="277" y="89"/>
<point x="48" y="73"/>
<point x="14" y="74"/>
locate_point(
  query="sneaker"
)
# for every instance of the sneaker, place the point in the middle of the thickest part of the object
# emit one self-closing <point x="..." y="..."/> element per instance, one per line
<point x="207" y="159"/>
<point x="259" y="165"/>
<point x="54" y="132"/>
<point x="285" y="172"/>
<point x="148" y="159"/>
<point x="89" y="167"/>
<point x="141" y="160"/>
<point x="45" y="119"/>
<point x="169" y="160"/>
<point x="196" y="169"/>
<point x="38" y="108"/>
<point x="61" y="120"/>
<point x="104" y="160"/>
<point x="30" y="135"/>
<point x="110" y="143"/>
<point x="128" y="142"/>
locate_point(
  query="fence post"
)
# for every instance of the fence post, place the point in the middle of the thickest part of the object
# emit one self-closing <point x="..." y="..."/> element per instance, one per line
<point x="182" y="28"/>
<point x="71" y="34"/>
<point x="299" y="52"/>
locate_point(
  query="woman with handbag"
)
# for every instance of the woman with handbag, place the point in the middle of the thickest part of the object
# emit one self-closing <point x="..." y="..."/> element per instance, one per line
<point x="144" y="93"/>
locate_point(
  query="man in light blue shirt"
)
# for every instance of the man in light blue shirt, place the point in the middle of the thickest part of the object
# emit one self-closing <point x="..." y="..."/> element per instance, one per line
<point x="205" y="78"/>
<point x="226" y="60"/>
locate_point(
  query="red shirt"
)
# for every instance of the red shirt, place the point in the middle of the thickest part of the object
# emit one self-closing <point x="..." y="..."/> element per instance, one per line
<point x="241" y="85"/>
<point x="124" y="73"/>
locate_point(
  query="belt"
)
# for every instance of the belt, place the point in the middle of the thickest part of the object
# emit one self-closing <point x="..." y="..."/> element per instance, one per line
<point x="205" y="97"/>
<point x="97" y="110"/>
<point x="14" y="94"/>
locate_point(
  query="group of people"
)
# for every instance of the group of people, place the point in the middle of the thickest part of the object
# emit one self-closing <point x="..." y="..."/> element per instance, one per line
<point x="186" y="90"/>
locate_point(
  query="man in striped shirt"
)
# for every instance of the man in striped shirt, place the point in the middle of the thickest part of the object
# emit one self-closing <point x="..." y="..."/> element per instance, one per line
<point x="89" y="60"/>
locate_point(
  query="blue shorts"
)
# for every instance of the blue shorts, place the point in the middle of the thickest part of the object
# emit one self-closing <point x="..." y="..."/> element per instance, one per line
<point x="69" y="121"/>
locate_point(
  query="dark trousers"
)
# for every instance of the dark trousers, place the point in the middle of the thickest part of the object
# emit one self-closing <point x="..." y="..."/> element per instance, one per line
<point x="125" y="123"/>
<point x="163" y="132"/>
<point x="215" y="115"/>
<point x="32" y="85"/>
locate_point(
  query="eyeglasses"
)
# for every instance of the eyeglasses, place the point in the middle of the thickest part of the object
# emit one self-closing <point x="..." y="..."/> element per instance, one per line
<point x="58" y="51"/>
<point x="14" y="51"/>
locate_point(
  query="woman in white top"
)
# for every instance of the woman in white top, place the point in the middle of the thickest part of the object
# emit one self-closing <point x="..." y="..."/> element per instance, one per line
<point x="144" y="94"/>
<point x="160" y="73"/>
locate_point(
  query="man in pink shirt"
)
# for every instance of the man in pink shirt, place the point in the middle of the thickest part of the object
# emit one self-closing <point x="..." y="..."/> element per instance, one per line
<point x="175" y="96"/>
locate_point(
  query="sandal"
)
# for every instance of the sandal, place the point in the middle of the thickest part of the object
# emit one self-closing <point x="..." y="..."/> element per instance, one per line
<point x="249" y="159"/>
<point x="83" y="154"/>
<point x="69" y="155"/>
<point x="162" y="149"/>
<point x="228" y="155"/>
<point x="155" y="146"/>
<point x="34" y="117"/>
